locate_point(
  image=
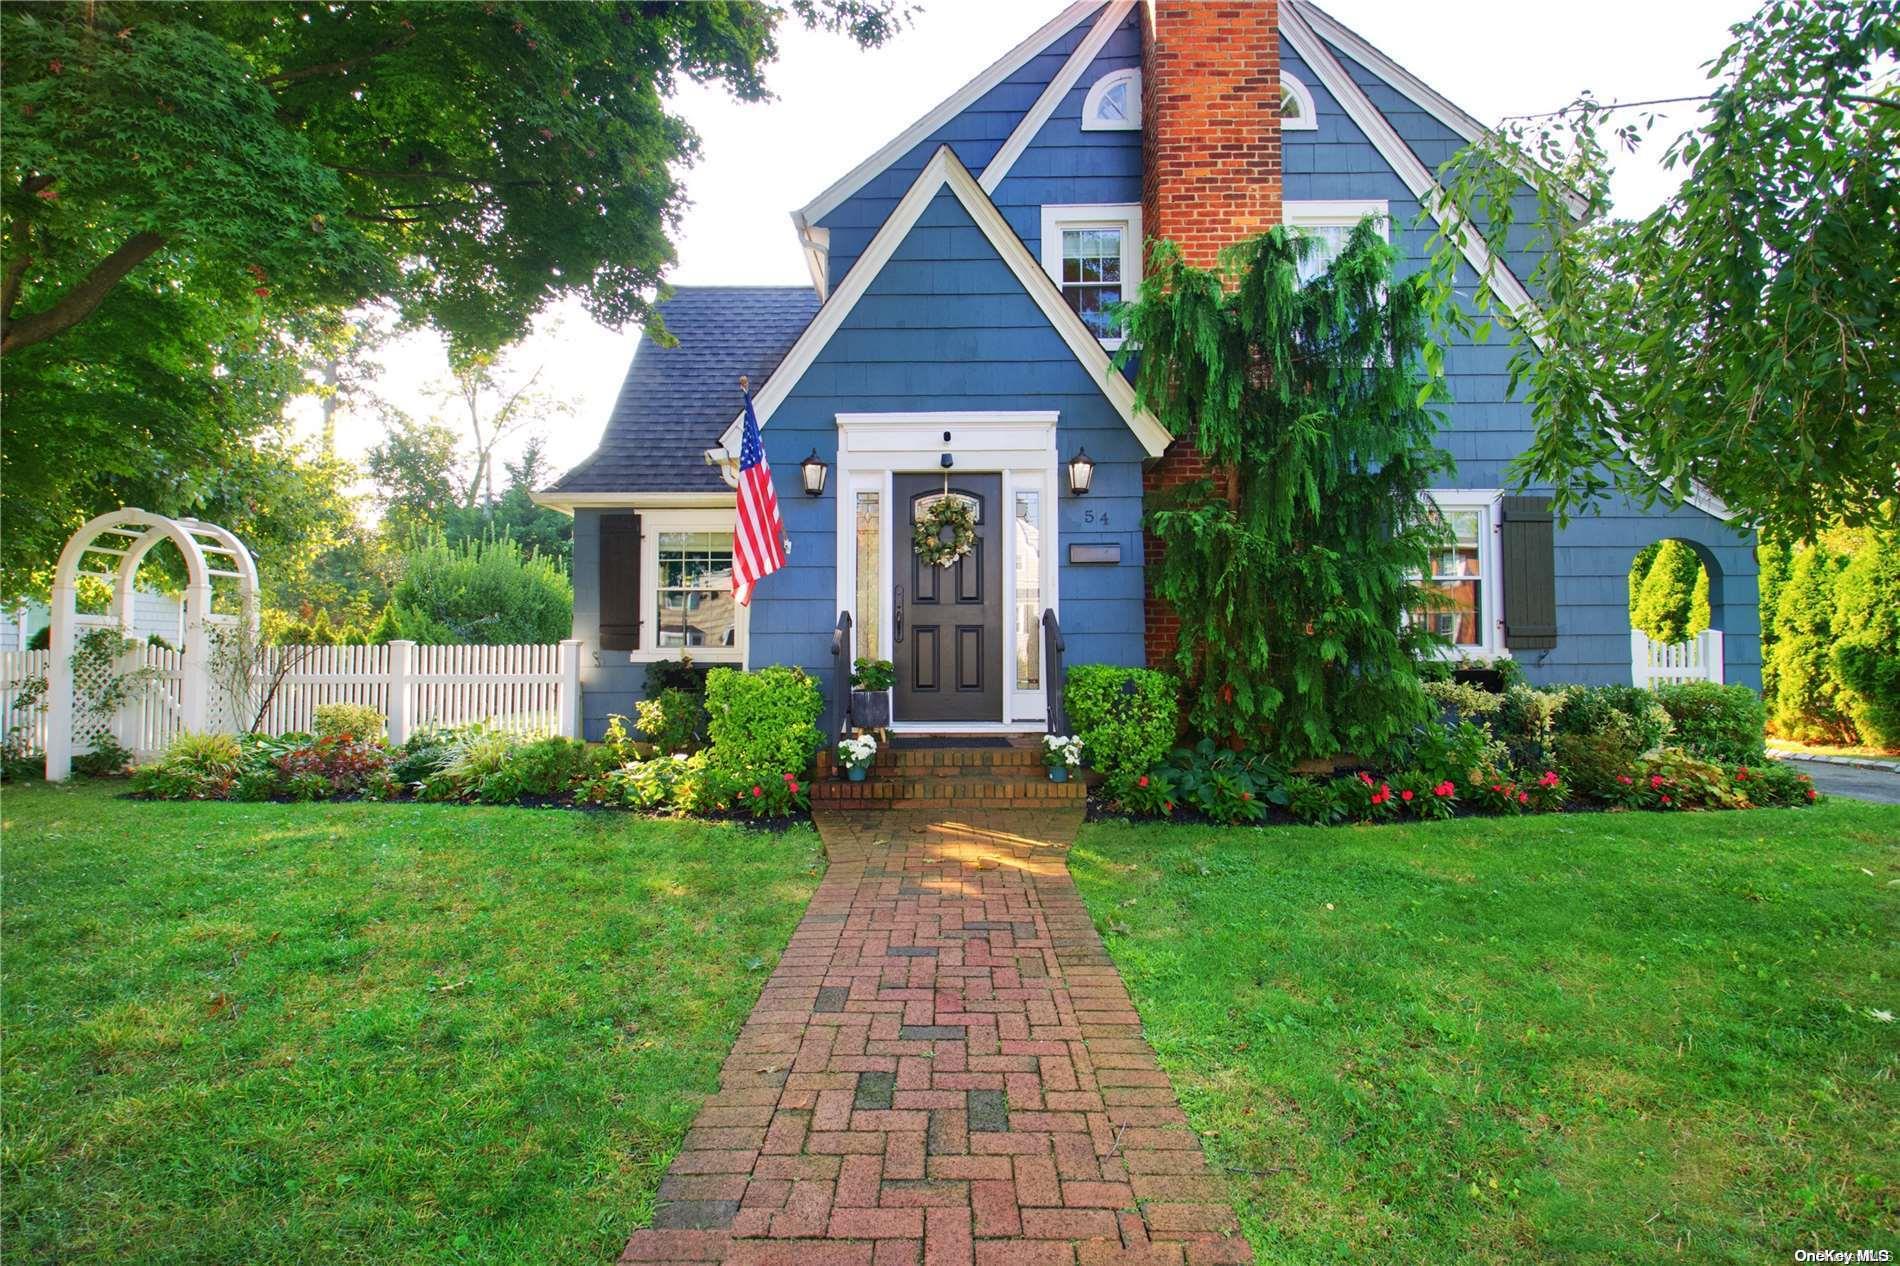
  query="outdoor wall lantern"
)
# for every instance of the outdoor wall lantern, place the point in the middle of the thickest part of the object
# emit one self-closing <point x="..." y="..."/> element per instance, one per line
<point x="1081" y="472"/>
<point x="814" y="470"/>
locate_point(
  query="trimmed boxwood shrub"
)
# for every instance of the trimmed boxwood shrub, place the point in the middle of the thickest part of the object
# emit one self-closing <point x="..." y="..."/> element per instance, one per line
<point x="762" y="724"/>
<point x="1718" y="723"/>
<point x="1125" y="717"/>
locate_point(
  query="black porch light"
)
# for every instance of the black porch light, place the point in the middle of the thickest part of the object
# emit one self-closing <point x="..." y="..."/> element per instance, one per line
<point x="1081" y="472"/>
<point x="814" y="471"/>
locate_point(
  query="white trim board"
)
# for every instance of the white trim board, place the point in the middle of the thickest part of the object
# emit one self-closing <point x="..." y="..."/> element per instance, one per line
<point x="957" y="102"/>
<point x="1510" y="291"/>
<point x="568" y="502"/>
<point x="946" y="171"/>
<point x="1052" y="94"/>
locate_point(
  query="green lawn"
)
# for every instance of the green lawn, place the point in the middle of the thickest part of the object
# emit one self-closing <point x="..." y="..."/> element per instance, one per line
<point x="364" y="1033"/>
<point x="1603" y="1038"/>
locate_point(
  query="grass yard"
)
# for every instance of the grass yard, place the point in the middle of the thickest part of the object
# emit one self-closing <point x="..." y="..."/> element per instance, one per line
<point x="364" y="1033"/>
<point x="1602" y="1038"/>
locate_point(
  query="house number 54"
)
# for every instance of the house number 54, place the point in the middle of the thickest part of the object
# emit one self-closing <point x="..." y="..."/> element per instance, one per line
<point x="1089" y="516"/>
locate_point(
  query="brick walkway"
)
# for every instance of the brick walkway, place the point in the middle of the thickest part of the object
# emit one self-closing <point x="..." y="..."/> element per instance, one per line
<point x="945" y="1068"/>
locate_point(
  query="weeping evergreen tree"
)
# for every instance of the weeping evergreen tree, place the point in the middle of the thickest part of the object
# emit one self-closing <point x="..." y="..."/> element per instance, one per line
<point x="1293" y="571"/>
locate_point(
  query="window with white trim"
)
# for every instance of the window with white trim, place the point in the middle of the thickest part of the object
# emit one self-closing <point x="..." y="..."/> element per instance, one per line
<point x="1094" y="255"/>
<point x="687" y="567"/>
<point x="1296" y="106"/>
<point x="1464" y="573"/>
<point x="1113" y="103"/>
<point x="1331" y="224"/>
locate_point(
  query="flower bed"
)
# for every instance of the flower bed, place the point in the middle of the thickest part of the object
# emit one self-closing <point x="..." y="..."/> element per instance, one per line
<point x="762" y="726"/>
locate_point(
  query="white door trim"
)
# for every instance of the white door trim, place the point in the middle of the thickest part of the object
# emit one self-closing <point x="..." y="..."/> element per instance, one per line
<point x="1018" y="446"/>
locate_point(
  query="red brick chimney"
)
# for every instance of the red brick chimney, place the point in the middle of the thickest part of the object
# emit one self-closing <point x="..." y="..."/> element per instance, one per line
<point x="1211" y="172"/>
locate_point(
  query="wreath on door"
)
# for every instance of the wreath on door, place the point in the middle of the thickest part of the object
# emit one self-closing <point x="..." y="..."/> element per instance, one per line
<point x="945" y="532"/>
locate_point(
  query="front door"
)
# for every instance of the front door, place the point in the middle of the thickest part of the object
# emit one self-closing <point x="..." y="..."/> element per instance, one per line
<point x="947" y="626"/>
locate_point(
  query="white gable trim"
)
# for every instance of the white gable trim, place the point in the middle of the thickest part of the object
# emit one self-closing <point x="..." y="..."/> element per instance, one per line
<point x="1403" y="81"/>
<point x="1511" y="294"/>
<point x="956" y="103"/>
<point x="946" y="171"/>
<point x="1065" y="79"/>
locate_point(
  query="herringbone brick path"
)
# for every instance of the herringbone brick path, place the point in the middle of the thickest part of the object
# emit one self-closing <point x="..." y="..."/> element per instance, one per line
<point x="945" y="1068"/>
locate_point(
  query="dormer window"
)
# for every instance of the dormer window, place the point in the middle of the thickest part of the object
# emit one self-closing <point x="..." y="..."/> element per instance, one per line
<point x="1296" y="106"/>
<point x="1114" y="103"/>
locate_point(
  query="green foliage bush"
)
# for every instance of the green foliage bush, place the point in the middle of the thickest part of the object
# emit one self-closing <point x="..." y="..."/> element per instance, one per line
<point x="329" y="766"/>
<point x="486" y="592"/>
<point x="675" y="721"/>
<point x="1630" y="710"/>
<point x="194" y="767"/>
<point x="873" y="674"/>
<point x="1866" y="655"/>
<point x="1594" y="763"/>
<point x="1674" y="779"/>
<point x="354" y="719"/>
<point x="1725" y="724"/>
<point x="1463" y="700"/>
<point x="474" y="753"/>
<point x="1775" y="783"/>
<point x="762" y="724"/>
<point x="545" y="768"/>
<point x="1810" y="702"/>
<point x="1127" y="718"/>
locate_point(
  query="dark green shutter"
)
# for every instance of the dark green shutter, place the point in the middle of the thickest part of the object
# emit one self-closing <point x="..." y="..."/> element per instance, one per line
<point x="619" y="582"/>
<point x="1530" y="574"/>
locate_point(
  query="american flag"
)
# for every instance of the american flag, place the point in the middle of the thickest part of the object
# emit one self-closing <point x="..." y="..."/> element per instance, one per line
<point x="759" y="537"/>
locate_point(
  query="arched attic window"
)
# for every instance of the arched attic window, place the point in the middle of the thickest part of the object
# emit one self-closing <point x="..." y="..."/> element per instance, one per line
<point x="1113" y="103"/>
<point x="1296" y="106"/>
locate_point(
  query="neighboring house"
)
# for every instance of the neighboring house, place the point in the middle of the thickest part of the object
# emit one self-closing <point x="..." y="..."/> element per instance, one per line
<point x="954" y="328"/>
<point x="153" y="614"/>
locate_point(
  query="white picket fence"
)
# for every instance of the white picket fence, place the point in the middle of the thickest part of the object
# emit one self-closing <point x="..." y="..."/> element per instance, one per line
<point x="530" y="689"/>
<point x="16" y="669"/>
<point x="1667" y="663"/>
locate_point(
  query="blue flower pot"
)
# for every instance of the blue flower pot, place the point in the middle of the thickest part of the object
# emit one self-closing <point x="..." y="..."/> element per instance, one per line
<point x="1058" y="773"/>
<point x="855" y="775"/>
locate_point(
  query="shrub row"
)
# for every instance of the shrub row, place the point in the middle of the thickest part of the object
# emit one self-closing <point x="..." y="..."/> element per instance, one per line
<point x="762" y="727"/>
<point x="1524" y="750"/>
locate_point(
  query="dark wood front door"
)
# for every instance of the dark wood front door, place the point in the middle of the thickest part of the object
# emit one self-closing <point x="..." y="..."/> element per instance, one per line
<point x="947" y="630"/>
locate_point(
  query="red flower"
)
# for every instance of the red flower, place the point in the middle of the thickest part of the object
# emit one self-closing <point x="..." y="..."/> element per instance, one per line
<point x="1549" y="779"/>
<point x="1741" y="775"/>
<point x="1246" y="795"/>
<point x="1497" y="786"/>
<point x="56" y="66"/>
<point x="263" y="292"/>
<point x="1168" y="807"/>
<point x="1624" y="779"/>
<point x="1406" y="795"/>
<point x="1812" y="793"/>
<point x="1444" y="788"/>
<point x="793" y="784"/>
<point x="1142" y="781"/>
<point x="1523" y="797"/>
<point x="757" y="792"/>
<point x="1365" y="778"/>
<point x="1655" y="781"/>
<point x="1667" y="800"/>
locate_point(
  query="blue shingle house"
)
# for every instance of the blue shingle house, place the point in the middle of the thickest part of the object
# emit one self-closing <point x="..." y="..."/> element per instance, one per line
<point x="953" y="343"/>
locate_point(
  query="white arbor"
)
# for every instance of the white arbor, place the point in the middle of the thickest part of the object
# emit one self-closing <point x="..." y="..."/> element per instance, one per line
<point x="126" y="536"/>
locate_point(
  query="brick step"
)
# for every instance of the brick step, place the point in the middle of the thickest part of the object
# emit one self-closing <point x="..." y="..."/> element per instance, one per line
<point x="976" y="790"/>
<point x="945" y="760"/>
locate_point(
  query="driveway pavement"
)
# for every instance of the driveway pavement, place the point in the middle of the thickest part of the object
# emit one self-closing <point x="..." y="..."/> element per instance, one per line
<point x="1878" y="785"/>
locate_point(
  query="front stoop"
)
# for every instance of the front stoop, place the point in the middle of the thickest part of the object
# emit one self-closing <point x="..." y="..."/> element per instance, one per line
<point x="945" y="1067"/>
<point x="942" y="774"/>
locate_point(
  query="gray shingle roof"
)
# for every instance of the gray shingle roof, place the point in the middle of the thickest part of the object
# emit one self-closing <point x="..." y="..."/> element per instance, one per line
<point x="676" y="401"/>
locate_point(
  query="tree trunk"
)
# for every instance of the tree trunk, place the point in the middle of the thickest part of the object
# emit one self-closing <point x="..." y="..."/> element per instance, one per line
<point x="78" y="303"/>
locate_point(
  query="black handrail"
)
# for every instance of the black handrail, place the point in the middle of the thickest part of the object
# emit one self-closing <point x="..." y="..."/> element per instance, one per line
<point x="841" y="656"/>
<point x="1053" y="672"/>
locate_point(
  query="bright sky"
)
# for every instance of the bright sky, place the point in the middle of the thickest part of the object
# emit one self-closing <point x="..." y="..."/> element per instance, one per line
<point x="837" y="105"/>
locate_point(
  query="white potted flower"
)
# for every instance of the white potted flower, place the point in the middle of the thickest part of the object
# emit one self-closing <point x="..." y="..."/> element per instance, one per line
<point x="856" y="755"/>
<point x="1061" y="753"/>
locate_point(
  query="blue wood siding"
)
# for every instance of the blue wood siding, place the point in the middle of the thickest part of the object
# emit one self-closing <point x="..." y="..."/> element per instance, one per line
<point x="1488" y="427"/>
<point x="947" y="326"/>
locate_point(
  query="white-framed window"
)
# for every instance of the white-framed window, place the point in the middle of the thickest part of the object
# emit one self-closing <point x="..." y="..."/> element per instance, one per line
<point x="686" y="601"/>
<point x="1296" y="105"/>
<point x="1093" y="252"/>
<point x="1331" y="223"/>
<point x="1113" y="103"/>
<point x="1464" y="573"/>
